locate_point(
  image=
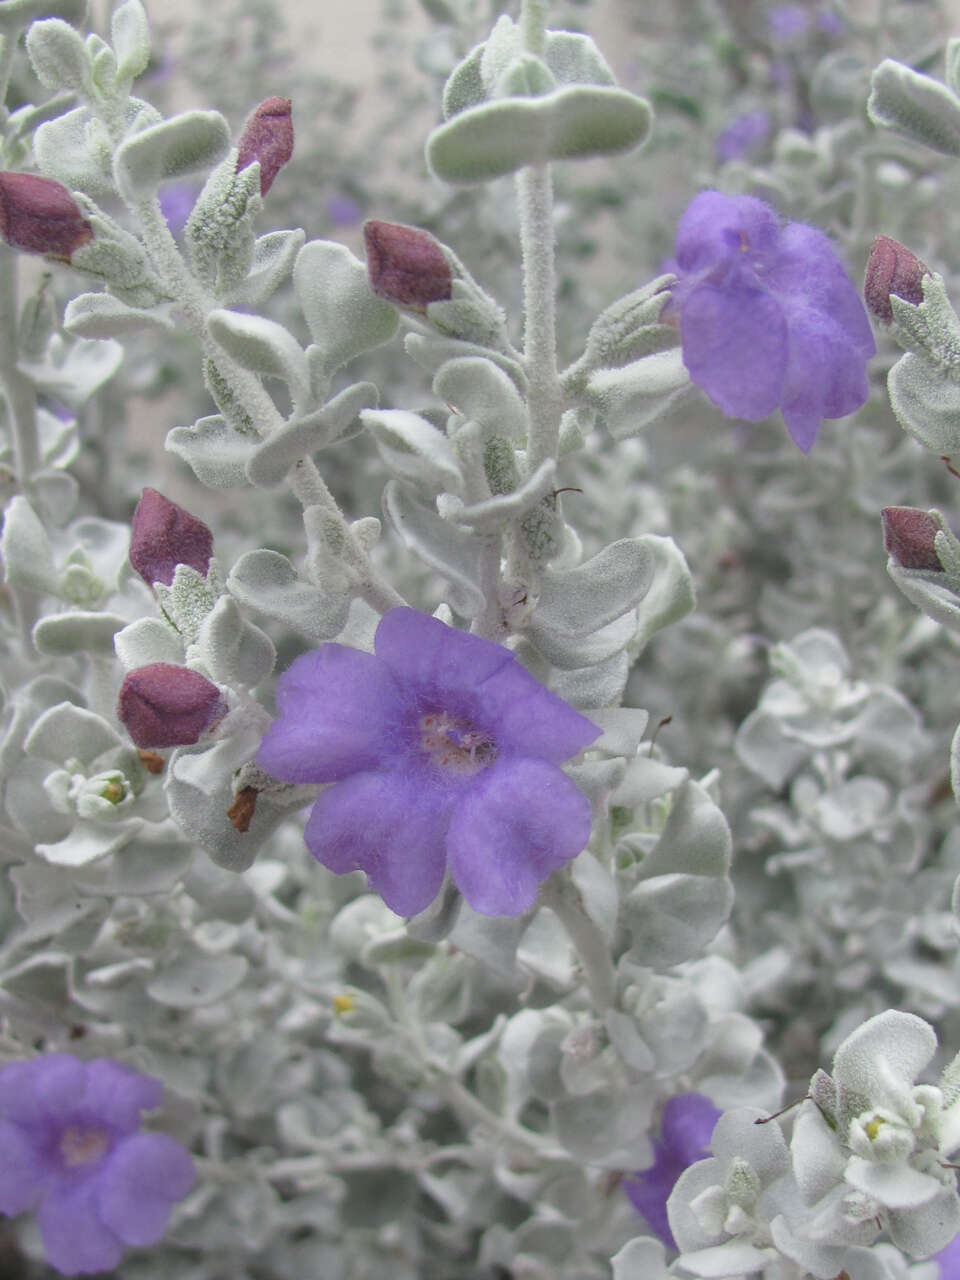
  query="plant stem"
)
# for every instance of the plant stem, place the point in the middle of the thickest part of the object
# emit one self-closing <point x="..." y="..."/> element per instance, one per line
<point x="592" y="949"/>
<point x="533" y="25"/>
<point x="535" y="202"/>
<point x="306" y="483"/>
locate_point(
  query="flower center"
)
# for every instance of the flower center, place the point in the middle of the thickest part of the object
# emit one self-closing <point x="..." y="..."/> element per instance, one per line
<point x="455" y="745"/>
<point x="82" y="1144"/>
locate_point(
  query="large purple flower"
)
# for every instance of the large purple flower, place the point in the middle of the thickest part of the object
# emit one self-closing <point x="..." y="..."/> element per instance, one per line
<point x="687" y="1126"/>
<point x="72" y="1150"/>
<point x="444" y="753"/>
<point x="768" y="316"/>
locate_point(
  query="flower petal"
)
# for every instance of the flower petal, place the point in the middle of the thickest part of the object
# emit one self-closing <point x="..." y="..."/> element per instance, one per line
<point x="516" y="824"/>
<point x="388" y="825"/>
<point x="825" y="377"/>
<point x="430" y="656"/>
<point x="42" y="1090"/>
<point x="735" y="346"/>
<point x="689" y="1120"/>
<point x="144" y="1176"/>
<point x="337" y="707"/>
<point x="115" y="1094"/>
<point x="75" y="1241"/>
<point x="716" y="227"/>
<point x="23" y="1170"/>
<point x="525" y="717"/>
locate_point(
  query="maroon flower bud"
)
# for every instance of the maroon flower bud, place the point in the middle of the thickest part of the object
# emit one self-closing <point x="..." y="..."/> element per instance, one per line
<point x="892" y="269"/>
<point x="268" y="138"/>
<point x="407" y="266"/>
<point x="167" y="706"/>
<point x="39" y="215"/>
<point x="163" y="535"/>
<point x="908" y="535"/>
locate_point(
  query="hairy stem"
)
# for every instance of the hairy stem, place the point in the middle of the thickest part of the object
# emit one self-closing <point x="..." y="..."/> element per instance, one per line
<point x="592" y="949"/>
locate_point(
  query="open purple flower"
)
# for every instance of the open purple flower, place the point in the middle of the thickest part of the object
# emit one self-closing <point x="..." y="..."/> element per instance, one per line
<point x="686" y="1128"/>
<point x="444" y="754"/>
<point x="72" y="1150"/>
<point x="768" y="317"/>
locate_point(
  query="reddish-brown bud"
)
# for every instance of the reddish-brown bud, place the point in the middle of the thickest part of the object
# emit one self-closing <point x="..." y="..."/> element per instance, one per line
<point x="167" y="706"/>
<point x="39" y="215"/>
<point x="892" y="269"/>
<point x="908" y="535"/>
<point x="163" y="535"/>
<point x="267" y="138"/>
<point x="407" y="266"/>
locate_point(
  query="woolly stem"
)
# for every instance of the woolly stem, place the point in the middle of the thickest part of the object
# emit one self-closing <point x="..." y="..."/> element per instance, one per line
<point x="592" y="949"/>
<point x="535" y="204"/>
<point x="306" y="483"/>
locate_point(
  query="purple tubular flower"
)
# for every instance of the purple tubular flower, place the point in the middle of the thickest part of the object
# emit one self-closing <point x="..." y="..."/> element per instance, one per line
<point x="162" y="705"/>
<point x="267" y="139"/>
<point x="788" y="22"/>
<point x="444" y="754"/>
<point x="742" y="134"/>
<point x="163" y="535"/>
<point x="687" y="1125"/>
<point x="909" y="536"/>
<point x="72" y="1150"/>
<point x="38" y="215"/>
<point x="407" y="266"/>
<point x="768" y="317"/>
<point x="949" y="1260"/>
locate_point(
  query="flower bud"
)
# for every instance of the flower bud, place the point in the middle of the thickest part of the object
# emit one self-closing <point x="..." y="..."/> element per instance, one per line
<point x="892" y="269"/>
<point x="163" y="535"/>
<point x="267" y="138"/>
<point x="39" y="215"/>
<point x="167" y="706"/>
<point x="908" y="535"/>
<point x="407" y="266"/>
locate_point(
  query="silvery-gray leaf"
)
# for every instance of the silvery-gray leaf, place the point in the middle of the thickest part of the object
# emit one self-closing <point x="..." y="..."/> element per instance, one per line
<point x="633" y="397"/>
<point x="674" y="916"/>
<point x="301" y="437"/>
<point x="495" y="513"/>
<point x="57" y="55"/>
<point x="431" y="353"/>
<point x="263" y="347"/>
<point x="194" y="979"/>
<point x="926" y="402"/>
<point x="216" y="452"/>
<point x="268" y="582"/>
<point x="590" y="687"/>
<point x="82" y="367"/>
<point x="60" y="634"/>
<point x="605" y="1129"/>
<point x="100" y="315"/>
<point x="916" y="106"/>
<point x="577" y="602"/>
<point x="88" y="842"/>
<point x="66" y="732"/>
<point x="273" y="258"/>
<point x="234" y="650"/>
<point x="174" y="148"/>
<point x="623" y="729"/>
<point x="146" y="641"/>
<point x="55" y="493"/>
<point x="130" y="35"/>
<point x="342" y="313"/>
<point x="671" y="595"/>
<point x="569" y="652"/>
<point x="439" y="544"/>
<point x="26" y="550"/>
<point x="414" y="449"/>
<point x="598" y="892"/>
<point x="483" y="393"/>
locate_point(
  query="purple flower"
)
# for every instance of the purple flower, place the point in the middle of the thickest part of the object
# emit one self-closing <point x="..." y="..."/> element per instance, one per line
<point x="686" y="1129"/>
<point x="742" y="134"/>
<point x="342" y="211"/>
<point x="163" y="705"/>
<point x="163" y="535"/>
<point x="444" y="754"/>
<point x="768" y="317"/>
<point x="72" y="1150"/>
<point x="176" y="202"/>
